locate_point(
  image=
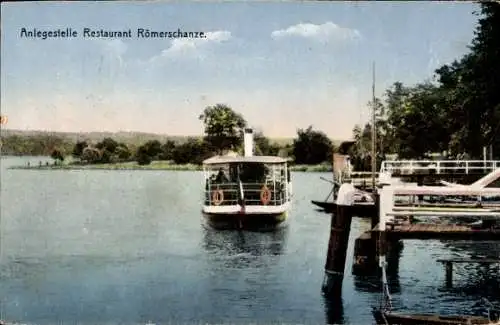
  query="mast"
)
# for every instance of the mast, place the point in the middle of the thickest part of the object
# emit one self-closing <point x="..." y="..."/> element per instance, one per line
<point x="374" y="134"/>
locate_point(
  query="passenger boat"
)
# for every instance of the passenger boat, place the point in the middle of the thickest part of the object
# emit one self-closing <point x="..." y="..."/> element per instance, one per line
<point x="246" y="191"/>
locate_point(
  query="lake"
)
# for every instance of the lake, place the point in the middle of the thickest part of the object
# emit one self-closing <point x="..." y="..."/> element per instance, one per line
<point x="131" y="247"/>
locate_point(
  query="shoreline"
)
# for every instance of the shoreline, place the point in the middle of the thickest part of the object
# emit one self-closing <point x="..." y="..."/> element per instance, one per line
<point x="158" y="165"/>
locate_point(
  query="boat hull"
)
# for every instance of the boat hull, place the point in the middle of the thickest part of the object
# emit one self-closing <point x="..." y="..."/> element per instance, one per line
<point x="357" y="209"/>
<point x="422" y="319"/>
<point x="245" y="221"/>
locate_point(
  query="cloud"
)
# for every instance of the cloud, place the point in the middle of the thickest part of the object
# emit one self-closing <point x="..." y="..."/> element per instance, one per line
<point x="181" y="46"/>
<point x="323" y="32"/>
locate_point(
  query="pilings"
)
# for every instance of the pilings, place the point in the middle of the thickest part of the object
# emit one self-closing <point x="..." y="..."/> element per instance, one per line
<point x="338" y="243"/>
<point x="367" y="246"/>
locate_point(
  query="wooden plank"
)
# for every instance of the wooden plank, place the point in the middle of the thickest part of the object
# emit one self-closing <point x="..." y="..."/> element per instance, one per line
<point x="469" y="260"/>
<point x="495" y="214"/>
<point x="445" y="190"/>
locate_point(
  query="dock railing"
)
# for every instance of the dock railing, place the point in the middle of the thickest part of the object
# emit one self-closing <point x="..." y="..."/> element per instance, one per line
<point x="388" y="211"/>
<point x="408" y="167"/>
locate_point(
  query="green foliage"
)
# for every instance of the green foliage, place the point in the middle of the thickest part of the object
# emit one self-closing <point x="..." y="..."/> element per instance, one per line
<point x="223" y="127"/>
<point x="78" y="148"/>
<point x="107" y="144"/>
<point x="193" y="151"/>
<point x="142" y="156"/>
<point x="123" y="152"/>
<point x="42" y="145"/>
<point x="167" y="150"/>
<point x="57" y="155"/>
<point x="91" y="155"/>
<point x="263" y="146"/>
<point x="312" y="147"/>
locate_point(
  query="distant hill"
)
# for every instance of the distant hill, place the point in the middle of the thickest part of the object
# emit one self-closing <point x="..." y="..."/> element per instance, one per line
<point x="37" y="142"/>
<point x="132" y="138"/>
<point x="136" y="138"/>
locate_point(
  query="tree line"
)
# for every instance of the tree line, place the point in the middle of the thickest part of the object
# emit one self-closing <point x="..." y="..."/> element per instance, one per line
<point x="223" y="132"/>
<point x="456" y="114"/>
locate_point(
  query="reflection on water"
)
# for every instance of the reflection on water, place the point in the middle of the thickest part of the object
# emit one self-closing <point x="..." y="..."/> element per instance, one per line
<point x="373" y="283"/>
<point x="334" y="310"/>
<point x="253" y="243"/>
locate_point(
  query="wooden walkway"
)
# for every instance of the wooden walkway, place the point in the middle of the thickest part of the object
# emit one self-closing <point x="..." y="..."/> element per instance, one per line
<point x="439" y="231"/>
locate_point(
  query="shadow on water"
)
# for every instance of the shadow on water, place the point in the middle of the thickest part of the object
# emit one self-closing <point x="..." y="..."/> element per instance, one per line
<point x="373" y="283"/>
<point x="334" y="310"/>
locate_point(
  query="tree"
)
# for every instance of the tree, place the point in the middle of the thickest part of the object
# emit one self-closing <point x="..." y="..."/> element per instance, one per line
<point x="148" y="152"/>
<point x="57" y="155"/>
<point x="122" y="152"/>
<point x="263" y="145"/>
<point x="142" y="156"/>
<point x="312" y="147"/>
<point x="167" y="150"/>
<point x="91" y="155"/>
<point x="193" y="151"/>
<point x="360" y="151"/>
<point x="107" y="144"/>
<point x="107" y="148"/>
<point x="471" y="87"/>
<point x="414" y="133"/>
<point x="78" y="148"/>
<point x="223" y="127"/>
<point x="153" y="148"/>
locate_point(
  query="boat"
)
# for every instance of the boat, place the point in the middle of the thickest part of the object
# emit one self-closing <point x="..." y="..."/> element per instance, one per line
<point x="246" y="192"/>
<point x="384" y="314"/>
<point x="411" y="319"/>
<point x="363" y="202"/>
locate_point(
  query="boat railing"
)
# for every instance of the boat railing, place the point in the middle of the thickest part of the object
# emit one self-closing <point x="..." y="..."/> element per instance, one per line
<point x="408" y="167"/>
<point x="252" y="193"/>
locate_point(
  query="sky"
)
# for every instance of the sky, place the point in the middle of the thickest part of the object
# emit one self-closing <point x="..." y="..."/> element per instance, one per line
<point x="282" y="65"/>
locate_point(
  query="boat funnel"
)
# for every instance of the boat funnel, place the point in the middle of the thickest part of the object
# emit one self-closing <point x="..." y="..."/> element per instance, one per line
<point x="248" y="142"/>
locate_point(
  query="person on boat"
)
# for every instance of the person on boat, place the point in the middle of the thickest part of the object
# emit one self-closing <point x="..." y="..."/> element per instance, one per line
<point x="221" y="177"/>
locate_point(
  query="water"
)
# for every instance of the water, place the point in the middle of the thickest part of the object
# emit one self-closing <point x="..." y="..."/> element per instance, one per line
<point x="131" y="247"/>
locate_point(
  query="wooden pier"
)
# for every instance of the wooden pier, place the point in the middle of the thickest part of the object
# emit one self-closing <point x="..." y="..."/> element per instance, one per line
<point x="438" y="231"/>
<point x="398" y="205"/>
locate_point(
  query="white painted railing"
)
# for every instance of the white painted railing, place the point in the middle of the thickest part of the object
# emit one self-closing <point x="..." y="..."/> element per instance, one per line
<point x="408" y="167"/>
<point x="388" y="211"/>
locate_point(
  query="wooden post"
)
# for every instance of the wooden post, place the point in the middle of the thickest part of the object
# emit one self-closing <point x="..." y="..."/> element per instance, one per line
<point x="375" y="217"/>
<point x="338" y="243"/>
<point x="449" y="274"/>
<point x="337" y="251"/>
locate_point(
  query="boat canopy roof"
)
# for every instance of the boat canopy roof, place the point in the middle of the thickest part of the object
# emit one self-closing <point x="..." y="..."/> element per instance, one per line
<point x="242" y="159"/>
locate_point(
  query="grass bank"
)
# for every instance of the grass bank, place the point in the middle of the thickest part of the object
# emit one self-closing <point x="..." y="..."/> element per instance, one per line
<point x="155" y="165"/>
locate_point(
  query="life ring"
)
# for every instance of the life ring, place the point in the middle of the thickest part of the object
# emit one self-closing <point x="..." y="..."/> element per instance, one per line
<point x="217" y="197"/>
<point x="265" y="195"/>
<point x="359" y="260"/>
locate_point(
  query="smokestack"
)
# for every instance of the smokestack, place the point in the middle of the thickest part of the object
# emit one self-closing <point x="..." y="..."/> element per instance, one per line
<point x="248" y="142"/>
